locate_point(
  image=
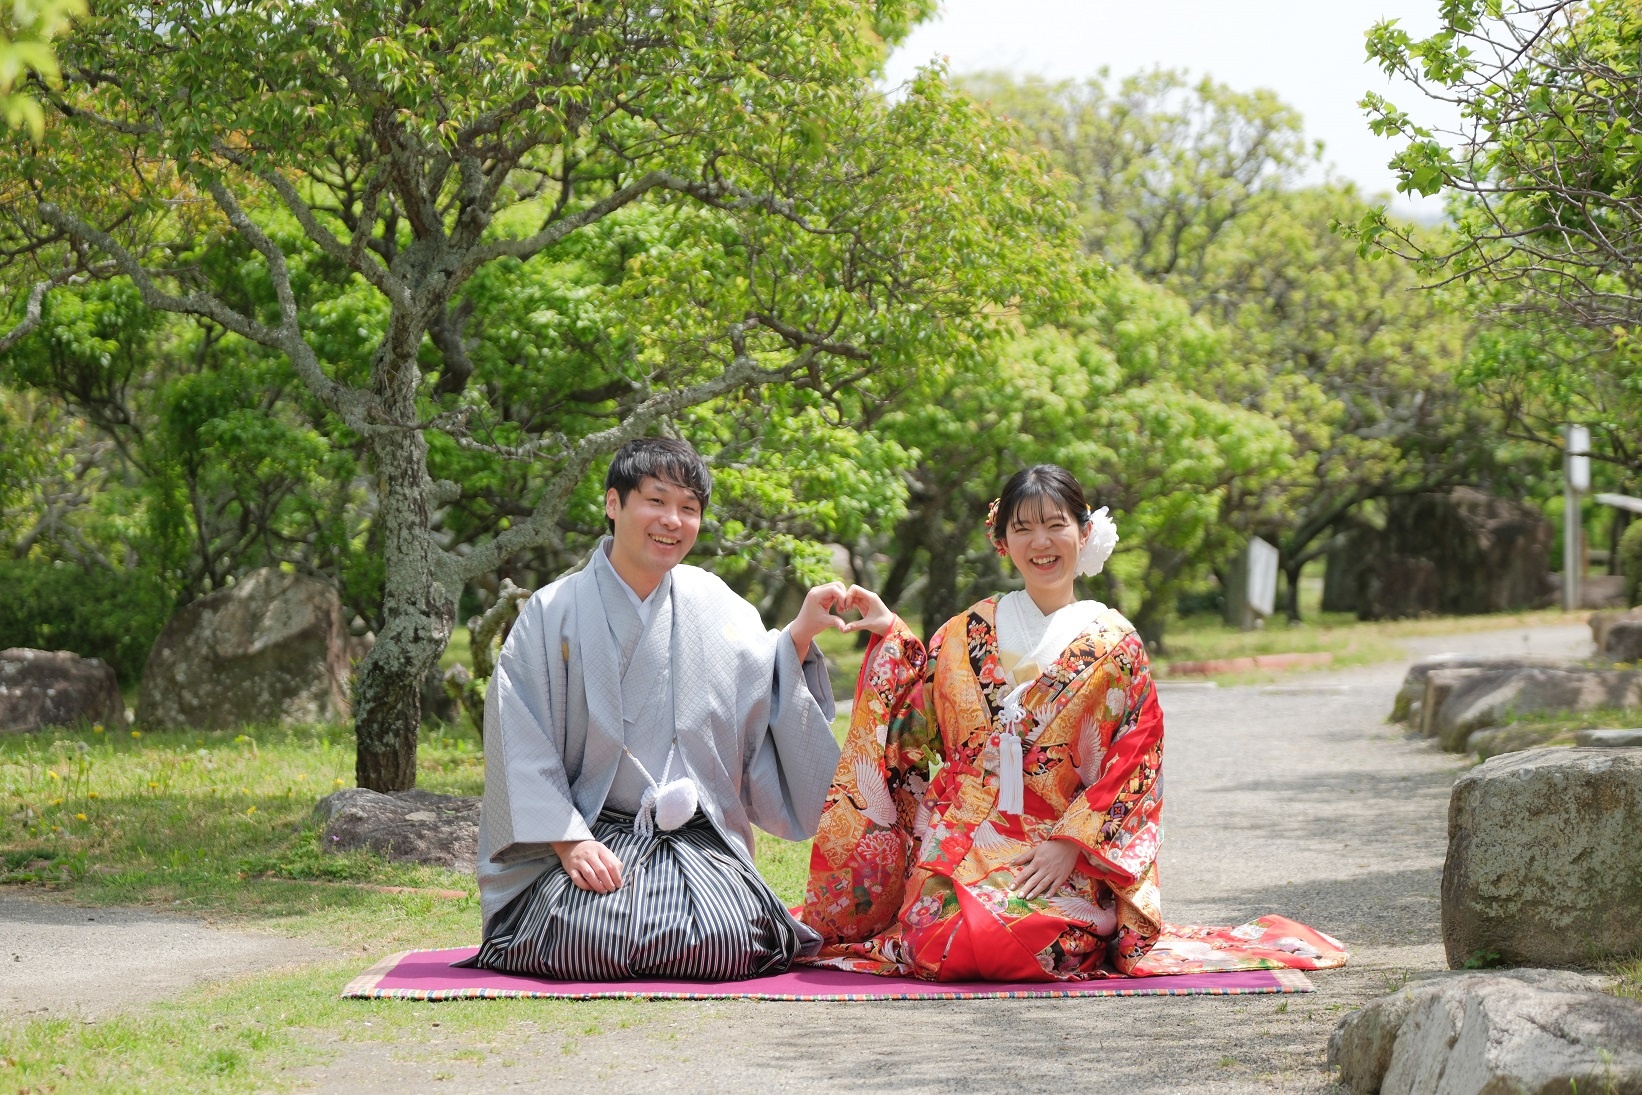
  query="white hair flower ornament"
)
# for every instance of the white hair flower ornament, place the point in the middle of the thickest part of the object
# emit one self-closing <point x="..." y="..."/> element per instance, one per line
<point x="1100" y="545"/>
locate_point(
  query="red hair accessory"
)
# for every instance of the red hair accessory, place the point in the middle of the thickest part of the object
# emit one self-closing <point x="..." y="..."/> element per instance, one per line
<point x="992" y="529"/>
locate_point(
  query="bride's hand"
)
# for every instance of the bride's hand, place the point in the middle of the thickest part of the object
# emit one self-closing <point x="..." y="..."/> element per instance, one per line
<point x="875" y="614"/>
<point x="1042" y="871"/>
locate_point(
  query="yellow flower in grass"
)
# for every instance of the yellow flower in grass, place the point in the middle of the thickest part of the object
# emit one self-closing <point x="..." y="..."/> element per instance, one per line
<point x="339" y="781"/>
<point x="152" y="786"/>
<point x="93" y="794"/>
<point x="301" y="776"/>
<point x="56" y="802"/>
<point x="79" y="817"/>
<point x="136" y="733"/>
<point x="52" y="775"/>
<point x="98" y="729"/>
<point x="251" y="810"/>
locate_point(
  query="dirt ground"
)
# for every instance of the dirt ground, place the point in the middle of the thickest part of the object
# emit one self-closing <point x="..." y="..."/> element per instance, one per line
<point x="60" y="959"/>
<point x="1294" y="798"/>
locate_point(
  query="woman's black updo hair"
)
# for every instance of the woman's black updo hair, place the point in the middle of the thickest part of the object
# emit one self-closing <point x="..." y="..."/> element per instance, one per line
<point x="1042" y="486"/>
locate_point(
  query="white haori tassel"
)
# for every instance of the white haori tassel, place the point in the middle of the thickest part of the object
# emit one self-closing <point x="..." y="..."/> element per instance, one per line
<point x="665" y="805"/>
<point x="1011" y="778"/>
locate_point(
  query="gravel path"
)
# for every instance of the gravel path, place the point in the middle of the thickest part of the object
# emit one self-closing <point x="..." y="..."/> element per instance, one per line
<point x="58" y="959"/>
<point x="1293" y="798"/>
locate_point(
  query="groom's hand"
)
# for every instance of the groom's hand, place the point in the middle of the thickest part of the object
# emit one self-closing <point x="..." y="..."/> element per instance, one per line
<point x="590" y="865"/>
<point x="818" y="615"/>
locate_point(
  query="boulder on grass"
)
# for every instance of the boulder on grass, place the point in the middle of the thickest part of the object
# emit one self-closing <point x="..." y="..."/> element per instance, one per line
<point x="1623" y="642"/>
<point x="1609" y="739"/>
<point x="271" y="648"/>
<point x="41" y="688"/>
<point x="413" y="826"/>
<point x="1604" y="592"/>
<point x="1601" y="621"/>
<point x="1456" y="552"/>
<point x="1544" y="863"/>
<point x="1484" y="744"/>
<point x="1484" y="698"/>
<point x="1439" y="685"/>
<point x="1412" y="692"/>
<point x="1525" y="1030"/>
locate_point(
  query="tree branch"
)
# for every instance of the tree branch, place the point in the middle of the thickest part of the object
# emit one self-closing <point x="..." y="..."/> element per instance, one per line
<point x="540" y="526"/>
<point x="353" y="254"/>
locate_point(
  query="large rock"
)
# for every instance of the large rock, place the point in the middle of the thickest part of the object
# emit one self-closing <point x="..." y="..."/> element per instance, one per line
<point x="1623" y="642"/>
<point x="409" y="826"/>
<point x="1601" y="622"/>
<point x="1515" y="1031"/>
<point x="1393" y="585"/>
<point x="1456" y="552"/>
<point x="1484" y="744"/>
<point x="1459" y="701"/>
<point x="1407" y="703"/>
<point x="1609" y="739"/>
<point x="40" y="688"/>
<point x="1544" y="863"/>
<point x="271" y="648"/>
<point x="1602" y="591"/>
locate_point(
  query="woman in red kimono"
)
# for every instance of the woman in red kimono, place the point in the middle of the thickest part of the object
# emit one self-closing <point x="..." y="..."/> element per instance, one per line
<point x="996" y="812"/>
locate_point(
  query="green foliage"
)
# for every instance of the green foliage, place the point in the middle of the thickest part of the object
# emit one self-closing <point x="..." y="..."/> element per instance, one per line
<point x="1542" y="189"/>
<point x="1192" y="186"/>
<point x="1630" y="562"/>
<point x="27" y="28"/>
<point x="882" y="219"/>
<point x="1483" y="960"/>
<point x="1161" y="165"/>
<point x="97" y="612"/>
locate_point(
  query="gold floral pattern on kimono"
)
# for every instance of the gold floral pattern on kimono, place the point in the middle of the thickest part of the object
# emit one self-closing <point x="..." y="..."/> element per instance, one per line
<point x="913" y="866"/>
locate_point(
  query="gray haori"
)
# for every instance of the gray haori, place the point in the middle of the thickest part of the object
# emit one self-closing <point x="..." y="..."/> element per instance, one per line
<point x="581" y="678"/>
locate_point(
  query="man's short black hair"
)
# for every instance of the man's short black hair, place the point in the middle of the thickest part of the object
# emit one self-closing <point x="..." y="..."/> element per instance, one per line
<point x="665" y="458"/>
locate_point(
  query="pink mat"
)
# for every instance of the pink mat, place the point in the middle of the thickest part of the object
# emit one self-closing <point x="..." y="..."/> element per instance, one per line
<point x="428" y="975"/>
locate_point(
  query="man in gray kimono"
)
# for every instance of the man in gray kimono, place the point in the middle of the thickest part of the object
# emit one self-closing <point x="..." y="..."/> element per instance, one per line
<point x="640" y="721"/>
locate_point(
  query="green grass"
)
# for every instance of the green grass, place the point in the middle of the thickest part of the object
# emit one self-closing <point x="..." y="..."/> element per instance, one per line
<point x="1627" y="975"/>
<point x="219" y="825"/>
<point x="245" y="1034"/>
<point x="1351" y="641"/>
<point x="1531" y="730"/>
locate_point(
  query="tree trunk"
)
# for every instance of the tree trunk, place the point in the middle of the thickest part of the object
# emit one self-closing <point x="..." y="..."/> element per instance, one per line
<point x="1149" y="621"/>
<point x="1291" y="595"/>
<point x="418" y="609"/>
<point x="900" y="571"/>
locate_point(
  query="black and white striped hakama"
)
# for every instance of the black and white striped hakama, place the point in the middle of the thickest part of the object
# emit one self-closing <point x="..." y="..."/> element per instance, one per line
<point x="688" y="907"/>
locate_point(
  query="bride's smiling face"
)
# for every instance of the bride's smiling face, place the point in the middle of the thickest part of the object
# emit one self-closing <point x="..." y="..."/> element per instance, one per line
<point x="1043" y="541"/>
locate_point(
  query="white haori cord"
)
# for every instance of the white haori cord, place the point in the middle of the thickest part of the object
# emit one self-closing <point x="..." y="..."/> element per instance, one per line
<point x="1011" y="775"/>
<point x="665" y="805"/>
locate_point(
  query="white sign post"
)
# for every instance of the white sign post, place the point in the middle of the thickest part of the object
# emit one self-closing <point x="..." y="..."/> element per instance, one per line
<point x="1251" y="593"/>
<point x="1262" y="577"/>
<point x="1576" y="481"/>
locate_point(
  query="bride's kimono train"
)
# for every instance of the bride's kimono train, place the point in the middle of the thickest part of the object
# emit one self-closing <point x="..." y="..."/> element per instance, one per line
<point x="913" y="865"/>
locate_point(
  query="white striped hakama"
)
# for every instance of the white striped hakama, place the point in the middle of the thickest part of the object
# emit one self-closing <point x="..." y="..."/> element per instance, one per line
<point x="688" y="907"/>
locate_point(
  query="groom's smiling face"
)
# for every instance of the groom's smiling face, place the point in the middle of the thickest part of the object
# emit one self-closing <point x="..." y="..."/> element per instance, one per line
<point x="656" y="526"/>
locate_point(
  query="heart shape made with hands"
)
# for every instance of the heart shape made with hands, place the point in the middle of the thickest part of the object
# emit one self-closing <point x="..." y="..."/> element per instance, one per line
<point x="834" y="601"/>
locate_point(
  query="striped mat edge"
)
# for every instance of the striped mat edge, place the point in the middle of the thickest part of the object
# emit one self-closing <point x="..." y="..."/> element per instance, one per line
<point x="364" y="987"/>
